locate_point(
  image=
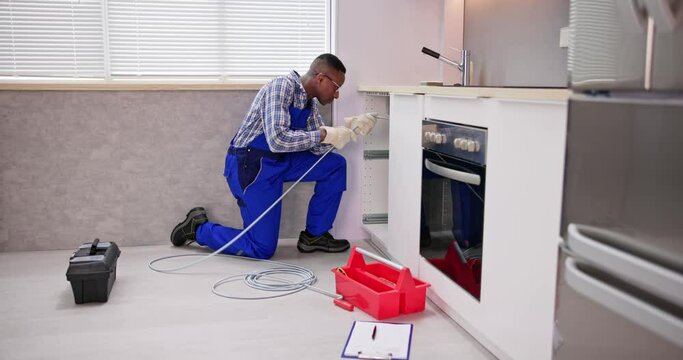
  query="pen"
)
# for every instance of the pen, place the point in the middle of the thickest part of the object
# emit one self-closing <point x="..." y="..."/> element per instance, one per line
<point x="374" y="332"/>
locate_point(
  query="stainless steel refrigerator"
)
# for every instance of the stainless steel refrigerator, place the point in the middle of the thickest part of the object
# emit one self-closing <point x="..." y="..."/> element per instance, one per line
<point x="620" y="274"/>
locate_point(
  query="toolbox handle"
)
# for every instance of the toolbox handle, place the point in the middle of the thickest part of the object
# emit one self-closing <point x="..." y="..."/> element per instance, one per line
<point x="379" y="258"/>
<point x="93" y="247"/>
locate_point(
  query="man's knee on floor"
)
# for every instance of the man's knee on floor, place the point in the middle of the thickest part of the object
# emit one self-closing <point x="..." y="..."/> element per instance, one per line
<point x="264" y="254"/>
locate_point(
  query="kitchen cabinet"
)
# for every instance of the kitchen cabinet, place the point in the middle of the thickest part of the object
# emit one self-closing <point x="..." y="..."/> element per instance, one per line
<point x="374" y="190"/>
<point x="525" y="160"/>
<point x="390" y="220"/>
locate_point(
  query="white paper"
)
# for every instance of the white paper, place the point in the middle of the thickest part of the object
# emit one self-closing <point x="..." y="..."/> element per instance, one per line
<point x="392" y="340"/>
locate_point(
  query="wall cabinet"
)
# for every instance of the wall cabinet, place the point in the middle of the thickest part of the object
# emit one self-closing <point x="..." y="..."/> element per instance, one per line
<point x="525" y="161"/>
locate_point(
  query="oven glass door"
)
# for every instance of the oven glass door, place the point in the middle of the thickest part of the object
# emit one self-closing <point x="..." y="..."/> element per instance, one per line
<point x="451" y="236"/>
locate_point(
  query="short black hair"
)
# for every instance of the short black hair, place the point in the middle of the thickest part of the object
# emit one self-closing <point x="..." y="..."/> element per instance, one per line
<point x="330" y="60"/>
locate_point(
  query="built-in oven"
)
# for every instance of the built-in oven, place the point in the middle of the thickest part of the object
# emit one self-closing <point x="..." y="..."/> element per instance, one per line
<point x="453" y="192"/>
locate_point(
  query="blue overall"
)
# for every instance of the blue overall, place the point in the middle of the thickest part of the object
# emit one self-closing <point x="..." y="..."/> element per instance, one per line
<point x="256" y="176"/>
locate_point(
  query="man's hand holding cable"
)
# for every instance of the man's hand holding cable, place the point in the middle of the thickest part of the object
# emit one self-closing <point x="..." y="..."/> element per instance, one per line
<point x="361" y="124"/>
<point x="337" y="136"/>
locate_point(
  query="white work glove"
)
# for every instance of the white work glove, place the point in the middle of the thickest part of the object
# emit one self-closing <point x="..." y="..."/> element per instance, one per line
<point x="361" y="124"/>
<point x="338" y="136"/>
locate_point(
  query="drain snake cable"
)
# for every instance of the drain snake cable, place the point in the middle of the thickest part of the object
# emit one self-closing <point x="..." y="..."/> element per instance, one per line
<point x="265" y="280"/>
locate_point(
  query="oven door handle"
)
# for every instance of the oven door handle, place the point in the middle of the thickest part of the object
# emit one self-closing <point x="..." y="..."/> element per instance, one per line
<point x="457" y="175"/>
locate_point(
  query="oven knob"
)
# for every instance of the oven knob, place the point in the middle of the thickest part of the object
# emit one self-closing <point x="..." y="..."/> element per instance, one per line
<point x="473" y="146"/>
<point x="443" y="139"/>
<point x="427" y="135"/>
<point x="463" y="144"/>
<point x="470" y="146"/>
<point x="456" y="143"/>
<point x="432" y="137"/>
<point x="440" y="139"/>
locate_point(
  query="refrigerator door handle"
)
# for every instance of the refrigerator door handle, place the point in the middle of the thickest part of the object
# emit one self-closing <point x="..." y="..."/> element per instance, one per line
<point x="651" y="277"/>
<point x="640" y="312"/>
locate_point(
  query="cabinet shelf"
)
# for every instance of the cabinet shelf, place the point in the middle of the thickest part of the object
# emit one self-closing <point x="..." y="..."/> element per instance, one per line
<point x="375" y="154"/>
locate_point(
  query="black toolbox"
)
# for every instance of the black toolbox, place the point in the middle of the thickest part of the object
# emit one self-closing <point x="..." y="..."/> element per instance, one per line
<point x="92" y="271"/>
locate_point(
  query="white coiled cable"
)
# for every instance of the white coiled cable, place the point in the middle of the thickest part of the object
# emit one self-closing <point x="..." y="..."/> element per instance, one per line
<point x="265" y="280"/>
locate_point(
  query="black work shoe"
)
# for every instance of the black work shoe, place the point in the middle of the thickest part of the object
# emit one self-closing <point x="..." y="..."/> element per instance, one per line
<point x="185" y="232"/>
<point x="325" y="242"/>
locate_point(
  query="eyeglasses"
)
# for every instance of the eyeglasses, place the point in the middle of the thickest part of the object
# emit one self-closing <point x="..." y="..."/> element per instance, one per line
<point x="333" y="82"/>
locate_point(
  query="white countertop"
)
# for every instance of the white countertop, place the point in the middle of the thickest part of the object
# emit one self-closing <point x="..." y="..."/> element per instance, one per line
<point x="543" y="94"/>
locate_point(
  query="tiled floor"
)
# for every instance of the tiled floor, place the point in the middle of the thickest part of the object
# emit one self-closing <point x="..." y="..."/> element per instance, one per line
<point x="152" y="315"/>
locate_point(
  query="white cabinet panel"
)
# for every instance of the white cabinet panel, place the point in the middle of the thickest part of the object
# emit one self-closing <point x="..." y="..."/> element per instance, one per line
<point x="375" y="191"/>
<point x="468" y="110"/>
<point x="521" y="225"/>
<point x="405" y="177"/>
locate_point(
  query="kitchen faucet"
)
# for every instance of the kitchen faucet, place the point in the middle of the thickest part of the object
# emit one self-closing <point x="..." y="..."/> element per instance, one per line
<point x="463" y="66"/>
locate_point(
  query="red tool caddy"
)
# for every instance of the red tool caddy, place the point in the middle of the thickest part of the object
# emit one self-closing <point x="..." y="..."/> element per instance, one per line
<point x="383" y="289"/>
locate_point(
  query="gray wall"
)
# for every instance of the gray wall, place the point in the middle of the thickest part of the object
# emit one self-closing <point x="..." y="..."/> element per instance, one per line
<point x="123" y="166"/>
<point x="516" y="42"/>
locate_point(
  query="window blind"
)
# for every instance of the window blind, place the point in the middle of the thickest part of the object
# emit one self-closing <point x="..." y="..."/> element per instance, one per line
<point x="124" y="39"/>
<point x="166" y="38"/>
<point x="51" y="38"/>
<point x="272" y="37"/>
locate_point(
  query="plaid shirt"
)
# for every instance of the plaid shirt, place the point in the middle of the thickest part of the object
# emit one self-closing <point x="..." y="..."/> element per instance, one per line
<point x="270" y="113"/>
